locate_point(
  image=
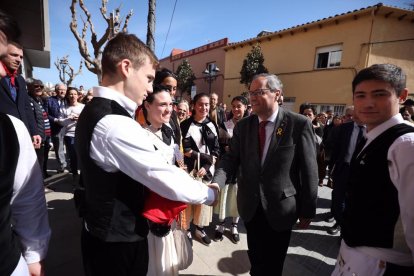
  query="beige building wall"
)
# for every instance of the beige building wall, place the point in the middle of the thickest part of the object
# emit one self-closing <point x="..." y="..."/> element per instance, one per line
<point x="393" y="42"/>
<point x="291" y="54"/>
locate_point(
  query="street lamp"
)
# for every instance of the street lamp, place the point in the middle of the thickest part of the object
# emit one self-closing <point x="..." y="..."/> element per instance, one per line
<point x="210" y="74"/>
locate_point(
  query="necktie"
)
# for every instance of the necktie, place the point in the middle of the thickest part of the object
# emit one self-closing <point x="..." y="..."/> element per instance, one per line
<point x="360" y="142"/>
<point x="11" y="76"/>
<point x="262" y="136"/>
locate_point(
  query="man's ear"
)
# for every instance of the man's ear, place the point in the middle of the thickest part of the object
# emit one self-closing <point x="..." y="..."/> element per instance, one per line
<point x="125" y="67"/>
<point x="403" y="96"/>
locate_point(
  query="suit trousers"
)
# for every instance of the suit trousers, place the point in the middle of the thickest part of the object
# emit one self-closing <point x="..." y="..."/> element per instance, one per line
<point x="262" y="239"/>
<point x="113" y="258"/>
<point x="58" y="146"/>
<point x="338" y="193"/>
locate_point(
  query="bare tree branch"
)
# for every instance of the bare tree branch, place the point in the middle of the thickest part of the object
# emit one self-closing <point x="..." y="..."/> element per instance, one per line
<point x="113" y="21"/>
<point x="83" y="47"/>
<point x="65" y="69"/>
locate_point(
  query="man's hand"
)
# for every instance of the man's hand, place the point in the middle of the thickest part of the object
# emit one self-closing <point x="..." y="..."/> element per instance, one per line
<point x="304" y="223"/>
<point x="36" y="269"/>
<point x="2" y="71"/>
<point x="37" y="141"/>
<point x="216" y="189"/>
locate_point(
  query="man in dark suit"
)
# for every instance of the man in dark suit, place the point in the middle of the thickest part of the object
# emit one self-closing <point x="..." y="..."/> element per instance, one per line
<point x="14" y="99"/>
<point x="217" y="113"/>
<point x="274" y="150"/>
<point x="343" y="142"/>
<point x="55" y="107"/>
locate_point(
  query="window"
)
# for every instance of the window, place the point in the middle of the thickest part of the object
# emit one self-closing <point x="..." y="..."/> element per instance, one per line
<point x="338" y="109"/>
<point x="328" y="57"/>
<point x="211" y="67"/>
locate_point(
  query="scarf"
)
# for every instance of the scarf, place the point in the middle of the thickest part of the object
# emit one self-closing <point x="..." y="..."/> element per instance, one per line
<point x="11" y="75"/>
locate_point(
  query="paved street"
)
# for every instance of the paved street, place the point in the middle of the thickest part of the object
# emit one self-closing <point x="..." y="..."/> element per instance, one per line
<point x="311" y="251"/>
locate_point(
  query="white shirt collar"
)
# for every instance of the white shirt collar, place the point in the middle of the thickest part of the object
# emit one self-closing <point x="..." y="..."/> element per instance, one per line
<point x="375" y="132"/>
<point x="272" y="118"/>
<point x="111" y="94"/>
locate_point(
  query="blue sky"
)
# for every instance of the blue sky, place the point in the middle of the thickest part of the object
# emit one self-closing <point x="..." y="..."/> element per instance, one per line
<point x="195" y="23"/>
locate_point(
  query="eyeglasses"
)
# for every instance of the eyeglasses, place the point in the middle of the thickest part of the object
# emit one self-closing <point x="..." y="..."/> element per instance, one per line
<point x="38" y="86"/>
<point x="259" y="92"/>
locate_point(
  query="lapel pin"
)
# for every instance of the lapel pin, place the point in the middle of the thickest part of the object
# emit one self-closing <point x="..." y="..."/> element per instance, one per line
<point x="279" y="131"/>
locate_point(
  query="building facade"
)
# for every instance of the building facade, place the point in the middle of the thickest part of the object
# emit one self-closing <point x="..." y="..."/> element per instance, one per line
<point x="33" y="19"/>
<point x="317" y="61"/>
<point x="208" y="57"/>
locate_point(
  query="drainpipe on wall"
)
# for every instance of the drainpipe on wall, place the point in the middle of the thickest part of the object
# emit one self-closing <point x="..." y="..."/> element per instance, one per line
<point x="373" y="12"/>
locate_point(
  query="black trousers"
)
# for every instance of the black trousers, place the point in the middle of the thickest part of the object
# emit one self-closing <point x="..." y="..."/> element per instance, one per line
<point x="393" y="269"/>
<point x="262" y="239"/>
<point x="113" y="258"/>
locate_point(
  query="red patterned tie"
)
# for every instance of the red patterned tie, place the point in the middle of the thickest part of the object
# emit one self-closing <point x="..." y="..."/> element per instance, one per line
<point x="262" y="137"/>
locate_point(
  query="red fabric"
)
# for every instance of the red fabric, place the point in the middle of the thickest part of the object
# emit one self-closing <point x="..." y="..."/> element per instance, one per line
<point x="11" y="75"/>
<point x="262" y="136"/>
<point x="161" y="210"/>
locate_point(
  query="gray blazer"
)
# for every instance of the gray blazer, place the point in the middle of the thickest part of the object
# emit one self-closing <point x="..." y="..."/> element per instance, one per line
<point x="287" y="183"/>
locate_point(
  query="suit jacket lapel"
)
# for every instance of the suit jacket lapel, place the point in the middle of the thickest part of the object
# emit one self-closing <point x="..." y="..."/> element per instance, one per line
<point x="253" y="142"/>
<point x="274" y="139"/>
<point x="3" y="83"/>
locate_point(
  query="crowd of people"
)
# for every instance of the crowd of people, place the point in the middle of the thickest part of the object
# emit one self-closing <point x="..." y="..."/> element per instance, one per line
<point x="149" y="164"/>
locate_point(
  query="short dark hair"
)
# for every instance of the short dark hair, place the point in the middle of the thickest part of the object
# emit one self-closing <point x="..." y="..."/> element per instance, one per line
<point x="241" y="99"/>
<point x="125" y="46"/>
<point x="71" y="88"/>
<point x="162" y="74"/>
<point x="9" y="27"/>
<point x="305" y="106"/>
<point x="389" y="73"/>
<point x="157" y="88"/>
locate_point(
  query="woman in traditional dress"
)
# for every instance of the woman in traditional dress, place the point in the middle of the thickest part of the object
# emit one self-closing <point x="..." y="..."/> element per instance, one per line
<point x="161" y="212"/>
<point x="201" y="149"/>
<point x="227" y="206"/>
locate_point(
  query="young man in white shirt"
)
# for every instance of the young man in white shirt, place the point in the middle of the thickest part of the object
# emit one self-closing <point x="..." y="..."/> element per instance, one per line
<point x="378" y="227"/>
<point x="118" y="162"/>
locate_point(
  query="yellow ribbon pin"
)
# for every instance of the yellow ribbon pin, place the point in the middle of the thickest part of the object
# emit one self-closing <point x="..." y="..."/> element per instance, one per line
<point x="279" y="131"/>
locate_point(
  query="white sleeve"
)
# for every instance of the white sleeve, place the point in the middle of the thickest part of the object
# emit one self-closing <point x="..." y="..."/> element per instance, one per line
<point x="401" y="167"/>
<point x="28" y="203"/>
<point x="121" y="144"/>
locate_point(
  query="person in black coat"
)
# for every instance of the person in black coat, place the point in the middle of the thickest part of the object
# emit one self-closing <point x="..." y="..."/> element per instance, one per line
<point x="14" y="99"/>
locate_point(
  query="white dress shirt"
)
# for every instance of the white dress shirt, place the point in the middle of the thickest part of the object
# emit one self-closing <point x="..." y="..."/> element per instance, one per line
<point x="270" y="126"/>
<point x="119" y="143"/>
<point x="401" y="168"/>
<point x="28" y="203"/>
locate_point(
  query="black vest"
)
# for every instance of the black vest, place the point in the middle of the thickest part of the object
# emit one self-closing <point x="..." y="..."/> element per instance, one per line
<point x="9" y="154"/>
<point x="113" y="201"/>
<point x="371" y="202"/>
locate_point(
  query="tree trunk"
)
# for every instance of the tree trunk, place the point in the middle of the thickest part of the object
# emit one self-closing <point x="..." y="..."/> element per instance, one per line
<point x="151" y="25"/>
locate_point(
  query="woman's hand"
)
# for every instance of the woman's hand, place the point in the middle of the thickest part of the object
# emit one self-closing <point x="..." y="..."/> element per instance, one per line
<point x="201" y="172"/>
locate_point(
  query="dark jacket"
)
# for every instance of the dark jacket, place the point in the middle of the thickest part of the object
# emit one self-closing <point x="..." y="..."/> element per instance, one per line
<point x="51" y="106"/>
<point x="21" y="108"/>
<point x="286" y="184"/>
